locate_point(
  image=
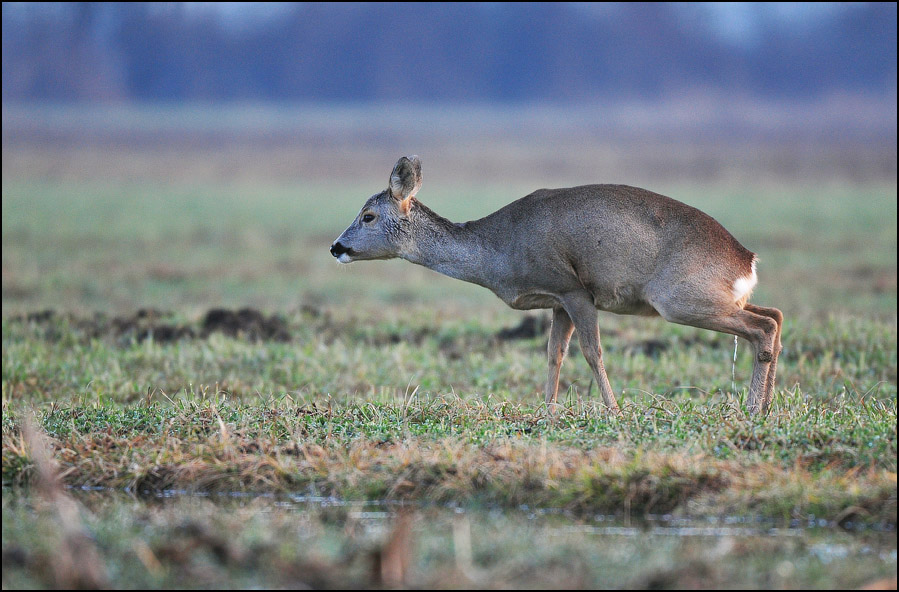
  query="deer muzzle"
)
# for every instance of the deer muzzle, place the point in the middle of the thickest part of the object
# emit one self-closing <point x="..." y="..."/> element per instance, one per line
<point x="341" y="252"/>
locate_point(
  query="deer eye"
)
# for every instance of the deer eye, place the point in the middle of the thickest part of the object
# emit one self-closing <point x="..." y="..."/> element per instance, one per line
<point x="368" y="218"/>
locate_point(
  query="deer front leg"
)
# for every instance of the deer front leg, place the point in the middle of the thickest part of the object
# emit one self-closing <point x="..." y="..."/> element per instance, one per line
<point x="583" y="314"/>
<point x="559" y="337"/>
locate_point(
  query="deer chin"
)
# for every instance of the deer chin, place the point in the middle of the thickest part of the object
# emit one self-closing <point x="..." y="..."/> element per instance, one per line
<point x="345" y="259"/>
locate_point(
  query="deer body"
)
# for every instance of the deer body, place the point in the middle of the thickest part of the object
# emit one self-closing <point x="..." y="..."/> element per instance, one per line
<point x="578" y="250"/>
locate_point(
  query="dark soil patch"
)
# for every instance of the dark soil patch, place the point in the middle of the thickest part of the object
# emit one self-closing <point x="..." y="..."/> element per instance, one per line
<point x="530" y="326"/>
<point x="651" y="347"/>
<point x="247" y="323"/>
<point x="250" y="324"/>
<point x="148" y="323"/>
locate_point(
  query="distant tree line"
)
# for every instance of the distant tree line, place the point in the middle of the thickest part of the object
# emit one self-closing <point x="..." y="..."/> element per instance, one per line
<point x="421" y="52"/>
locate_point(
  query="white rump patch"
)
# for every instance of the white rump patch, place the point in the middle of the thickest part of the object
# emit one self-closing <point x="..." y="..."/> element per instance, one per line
<point x="743" y="286"/>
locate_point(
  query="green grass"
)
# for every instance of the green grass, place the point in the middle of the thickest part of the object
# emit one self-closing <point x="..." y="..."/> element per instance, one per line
<point x="393" y="385"/>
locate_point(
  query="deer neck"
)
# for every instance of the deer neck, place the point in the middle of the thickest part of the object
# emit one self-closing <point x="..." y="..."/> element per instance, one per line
<point x="452" y="249"/>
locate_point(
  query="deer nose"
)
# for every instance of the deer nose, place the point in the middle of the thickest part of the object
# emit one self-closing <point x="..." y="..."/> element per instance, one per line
<point x="337" y="249"/>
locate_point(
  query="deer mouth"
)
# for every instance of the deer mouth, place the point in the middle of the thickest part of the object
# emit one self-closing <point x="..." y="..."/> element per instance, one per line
<point x="342" y="253"/>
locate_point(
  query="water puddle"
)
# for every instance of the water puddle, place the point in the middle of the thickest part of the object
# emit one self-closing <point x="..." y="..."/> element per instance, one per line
<point x="559" y="521"/>
<point x="297" y="540"/>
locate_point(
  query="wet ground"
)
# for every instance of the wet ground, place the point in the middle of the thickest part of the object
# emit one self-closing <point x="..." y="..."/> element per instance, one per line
<point x="297" y="540"/>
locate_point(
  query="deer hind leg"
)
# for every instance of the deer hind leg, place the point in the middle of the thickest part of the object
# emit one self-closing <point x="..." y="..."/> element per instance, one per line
<point x="559" y="337"/>
<point x="583" y="314"/>
<point x="778" y="317"/>
<point x="761" y="331"/>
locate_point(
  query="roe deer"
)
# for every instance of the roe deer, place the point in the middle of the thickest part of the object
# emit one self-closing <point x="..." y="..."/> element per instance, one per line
<point x="609" y="247"/>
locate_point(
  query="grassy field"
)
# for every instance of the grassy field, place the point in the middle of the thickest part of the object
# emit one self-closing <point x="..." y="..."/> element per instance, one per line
<point x="195" y="394"/>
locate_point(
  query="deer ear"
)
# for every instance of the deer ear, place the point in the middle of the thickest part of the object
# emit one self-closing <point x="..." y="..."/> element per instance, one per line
<point x="405" y="180"/>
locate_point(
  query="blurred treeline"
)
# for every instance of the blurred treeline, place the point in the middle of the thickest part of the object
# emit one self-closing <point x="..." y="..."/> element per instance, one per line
<point x="426" y="52"/>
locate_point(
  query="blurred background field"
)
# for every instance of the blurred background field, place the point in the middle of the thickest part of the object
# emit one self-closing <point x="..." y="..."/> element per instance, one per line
<point x="227" y="163"/>
<point x="102" y="212"/>
<point x="225" y="405"/>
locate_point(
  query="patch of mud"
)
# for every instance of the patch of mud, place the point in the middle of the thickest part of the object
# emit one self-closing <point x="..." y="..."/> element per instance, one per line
<point x="651" y="348"/>
<point x="249" y="324"/>
<point x="531" y="326"/>
<point x="245" y="323"/>
<point x="149" y="323"/>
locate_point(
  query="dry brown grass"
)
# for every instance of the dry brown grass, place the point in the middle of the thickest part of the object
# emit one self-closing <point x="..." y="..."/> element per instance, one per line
<point x="76" y="562"/>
